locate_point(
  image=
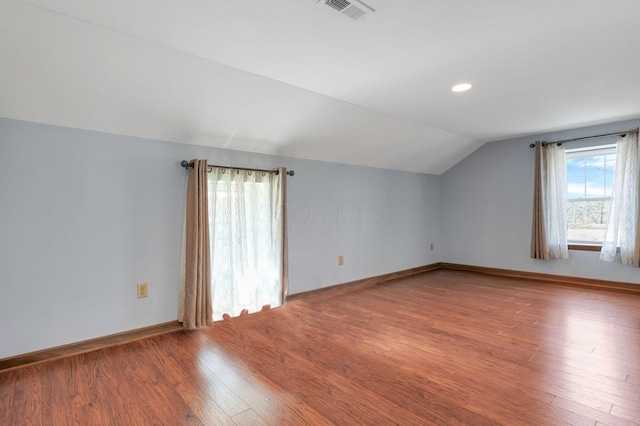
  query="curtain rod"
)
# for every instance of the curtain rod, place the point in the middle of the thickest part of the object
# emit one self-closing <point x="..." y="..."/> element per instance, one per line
<point x="590" y="137"/>
<point x="186" y="165"/>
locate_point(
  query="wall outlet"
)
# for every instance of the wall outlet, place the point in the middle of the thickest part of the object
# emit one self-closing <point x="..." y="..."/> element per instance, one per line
<point x="143" y="290"/>
<point x="431" y="246"/>
<point x="340" y="260"/>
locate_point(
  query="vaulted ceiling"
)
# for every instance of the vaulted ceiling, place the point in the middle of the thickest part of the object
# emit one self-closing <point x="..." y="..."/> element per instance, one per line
<point x="297" y="78"/>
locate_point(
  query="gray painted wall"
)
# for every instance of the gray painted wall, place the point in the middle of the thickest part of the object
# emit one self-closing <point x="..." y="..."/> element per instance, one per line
<point x="84" y="216"/>
<point x="487" y="203"/>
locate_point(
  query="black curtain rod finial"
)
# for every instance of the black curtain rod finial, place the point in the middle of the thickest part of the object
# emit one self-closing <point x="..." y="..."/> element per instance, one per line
<point x="185" y="164"/>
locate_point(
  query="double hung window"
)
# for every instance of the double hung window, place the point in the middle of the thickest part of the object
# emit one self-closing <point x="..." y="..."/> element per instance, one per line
<point x="590" y="174"/>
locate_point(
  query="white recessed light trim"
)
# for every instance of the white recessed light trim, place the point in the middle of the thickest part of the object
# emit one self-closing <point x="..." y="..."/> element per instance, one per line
<point x="462" y="87"/>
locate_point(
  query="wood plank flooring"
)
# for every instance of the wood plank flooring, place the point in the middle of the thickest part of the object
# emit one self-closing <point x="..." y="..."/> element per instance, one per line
<point x="442" y="347"/>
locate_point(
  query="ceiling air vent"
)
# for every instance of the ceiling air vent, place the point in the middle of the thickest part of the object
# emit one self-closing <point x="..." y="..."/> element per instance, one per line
<point x="349" y="9"/>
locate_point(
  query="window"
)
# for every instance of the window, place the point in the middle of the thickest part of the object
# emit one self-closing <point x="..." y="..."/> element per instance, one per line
<point x="590" y="174"/>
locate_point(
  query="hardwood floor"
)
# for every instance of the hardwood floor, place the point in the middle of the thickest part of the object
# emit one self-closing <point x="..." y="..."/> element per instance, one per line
<point x="443" y="347"/>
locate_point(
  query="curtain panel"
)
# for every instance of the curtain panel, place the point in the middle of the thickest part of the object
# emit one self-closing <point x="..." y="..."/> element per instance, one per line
<point x="248" y="240"/>
<point x="281" y="241"/>
<point x="621" y="242"/>
<point x="195" y="293"/>
<point x="539" y="249"/>
<point x="549" y="223"/>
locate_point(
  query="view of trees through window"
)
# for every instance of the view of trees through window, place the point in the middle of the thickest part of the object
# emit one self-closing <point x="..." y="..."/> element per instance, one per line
<point x="589" y="183"/>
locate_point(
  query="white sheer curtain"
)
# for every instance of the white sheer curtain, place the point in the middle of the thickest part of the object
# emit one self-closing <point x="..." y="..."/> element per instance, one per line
<point x="622" y="227"/>
<point x="555" y="189"/>
<point x="246" y="234"/>
<point x="549" y="228"/>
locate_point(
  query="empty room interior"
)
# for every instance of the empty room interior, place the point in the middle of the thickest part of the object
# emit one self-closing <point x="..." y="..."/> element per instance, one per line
<point x="315" y="212"/>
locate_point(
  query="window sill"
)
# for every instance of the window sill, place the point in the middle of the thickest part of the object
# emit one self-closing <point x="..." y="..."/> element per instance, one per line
<point x="585" y="247"/>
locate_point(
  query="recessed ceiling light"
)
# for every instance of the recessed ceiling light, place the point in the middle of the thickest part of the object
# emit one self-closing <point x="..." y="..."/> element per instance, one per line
<point x="462" y="87"/>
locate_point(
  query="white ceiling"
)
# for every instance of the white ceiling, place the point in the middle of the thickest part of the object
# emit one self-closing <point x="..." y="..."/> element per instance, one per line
<point x="295" y="78"/>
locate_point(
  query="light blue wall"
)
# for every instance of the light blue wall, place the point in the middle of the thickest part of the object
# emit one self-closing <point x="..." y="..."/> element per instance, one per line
<point x="84" y="216"/>
<point x="379" y="220"/>
<point x="487" y="203"/>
